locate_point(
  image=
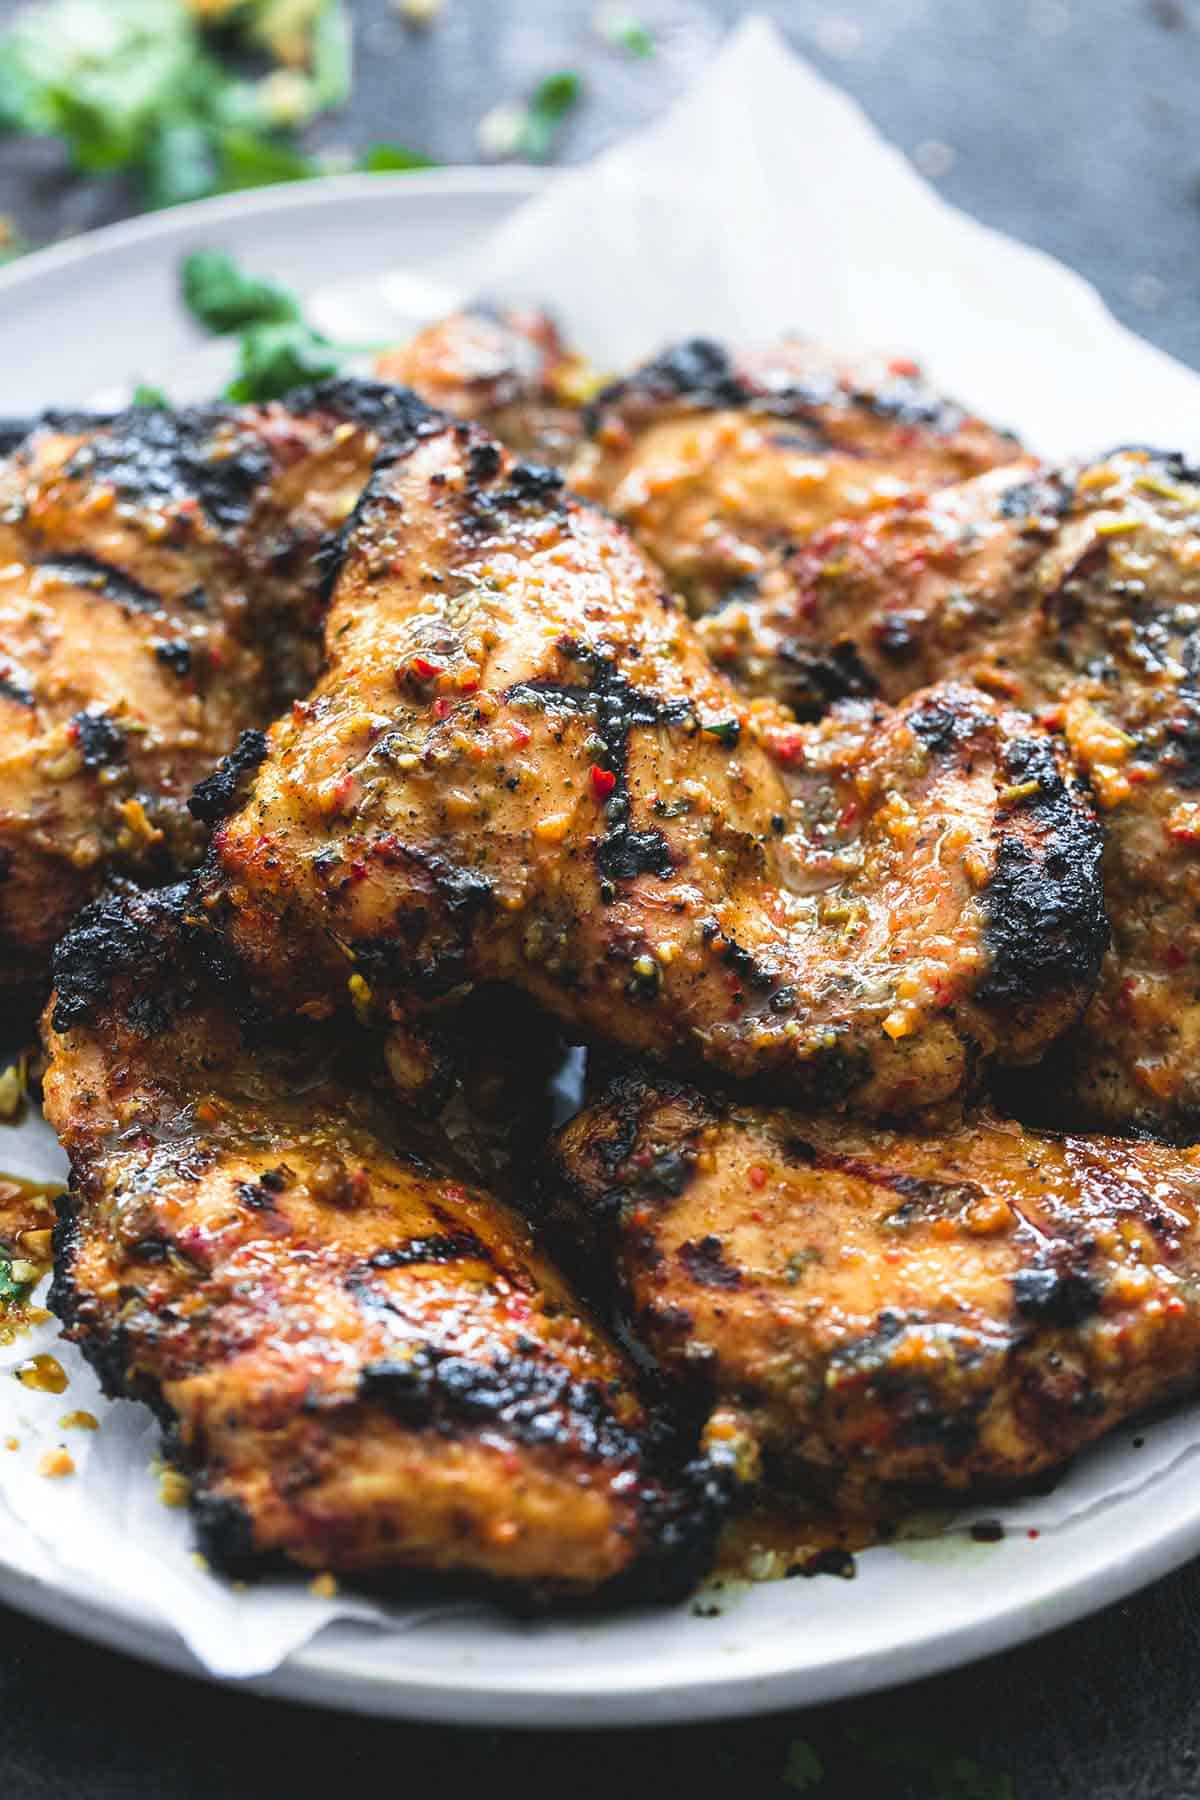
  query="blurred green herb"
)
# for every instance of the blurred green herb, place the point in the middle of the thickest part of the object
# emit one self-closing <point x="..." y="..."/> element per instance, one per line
<point x="158" y="87"/>
<point x="548" y="106"/>
<point x="153" y="397"/>
<point x="803" y="1769"/>
<point x="275" y="358"/>
<point x="277" y="349"/>
<point x="222" y="298"/>
<point x="625" y="31"/>
<point x="10" y="1289"/>
<point x="381" y="159"/>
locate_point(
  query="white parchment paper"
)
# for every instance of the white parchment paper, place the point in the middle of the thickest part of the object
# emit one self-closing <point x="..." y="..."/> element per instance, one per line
<point x="763" y="202"/>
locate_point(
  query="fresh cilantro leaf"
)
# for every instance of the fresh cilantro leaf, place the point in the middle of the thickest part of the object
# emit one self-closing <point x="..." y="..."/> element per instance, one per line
<point x="136" y="84"/>
<point x="274" y="358"/>
<point x="549" y="105"/>
<point x="247" y="159"/>
<point x="144" y="395"/>
<point x="221" y="297"/>
<point x="9" y="1289"/>
<point x="178" y="164"/>
<point x="625" y="31"/>
<point x="803" y="1769"/>
<point x="381" y="158"/>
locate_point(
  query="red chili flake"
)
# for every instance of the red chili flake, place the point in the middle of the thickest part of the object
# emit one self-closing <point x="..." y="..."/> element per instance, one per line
<point x="1176" y="958"/>
<point x="758" y="1176"/>
<point x="346" y="792"/>
<point x="519" y="734"/>
<point x="1033" y="1532"/>
<point x="904" y="365"/>
<point x="423" y="669"/>
<point x="788" y="745"/>
<point x="72" y="728"/>
<point x="442" y="708"/>
<point x="848" y="815"/>
<point x="358" y="871"/>
<point x="603" y="781"/>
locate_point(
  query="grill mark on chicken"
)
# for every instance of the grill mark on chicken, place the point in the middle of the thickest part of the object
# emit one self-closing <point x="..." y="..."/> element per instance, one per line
<point x="405" y="1382"/>
<point x="103" y="579"/>
<point x="1074" y="592"/>
<point x="160" y="572"/>
<point x="720" y="464"/>
<point x="441" y="807"/>
<point x="1031" y="1291"/>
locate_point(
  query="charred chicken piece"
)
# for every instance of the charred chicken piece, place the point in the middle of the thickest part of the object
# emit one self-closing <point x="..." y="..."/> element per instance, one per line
<point x="519" y="767"/>
<point x="1075" y="594"/>
<point x="158" y="594"/>
<point x="857" y="1310"/>
<point x="508" y="369"/>
<point x="719" y="464"/>
<point x="361" y="1360"/>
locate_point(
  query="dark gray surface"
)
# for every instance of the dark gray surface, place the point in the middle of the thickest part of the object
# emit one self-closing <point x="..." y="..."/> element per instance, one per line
<point x="1072" y="124"/>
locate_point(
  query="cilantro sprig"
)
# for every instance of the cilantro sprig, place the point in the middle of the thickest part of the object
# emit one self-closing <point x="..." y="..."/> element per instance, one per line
<point x="277" y="348"/>
<point x="161" y="88"/>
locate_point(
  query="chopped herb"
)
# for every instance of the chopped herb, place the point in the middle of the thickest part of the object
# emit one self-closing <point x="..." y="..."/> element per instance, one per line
<point x="624" y="30"/>
<point x="803" y="1769"/>
<point x="143" y="395"/>
<point x="380" y="159"/>
<point x="551" y="101"/>
<point x="274" y="358"/>
<point x="222" y="298"/>
<point x="726" y="731"/>
<point x="10" y="1288"/>
<point x="247" y="159"/>
<point x="143" y="85"/>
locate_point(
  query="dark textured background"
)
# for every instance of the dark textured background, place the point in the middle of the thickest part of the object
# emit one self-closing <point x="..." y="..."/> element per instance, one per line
<point x="1072" y="124"/>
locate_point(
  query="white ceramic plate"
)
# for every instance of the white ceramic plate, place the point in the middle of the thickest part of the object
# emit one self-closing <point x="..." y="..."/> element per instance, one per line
<point x="100" y="312"/>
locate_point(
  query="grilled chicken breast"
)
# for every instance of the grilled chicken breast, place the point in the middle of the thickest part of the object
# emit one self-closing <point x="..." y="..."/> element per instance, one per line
<point x="519" y="767"/>
<point x="504" y="367"/>
<point x="856" y="1310"/>
<point x="1075" y="594"/>
<point x="159" y="593"/>
<point x="361" y="1359"/>
<point x="719" y="464"/>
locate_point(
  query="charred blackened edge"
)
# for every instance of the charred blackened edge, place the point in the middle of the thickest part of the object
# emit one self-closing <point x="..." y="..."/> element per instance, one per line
<point x="1046" y="925"/>
<point x="154" y="455"/>
<point x="1043" y="499"/>
<point x="399" y="419"/>
<point x="1175" y="464"/>
<point x="222" y="792"/>
<point x="703" y="376"/>
<point x="412" y="958"/>
<point x="125" y="930"/>
<point x="812" y="679"/>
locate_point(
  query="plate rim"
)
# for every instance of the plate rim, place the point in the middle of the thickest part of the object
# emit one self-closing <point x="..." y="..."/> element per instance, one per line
<point x="502" y="179"/>
<point x="321" y="1672"/>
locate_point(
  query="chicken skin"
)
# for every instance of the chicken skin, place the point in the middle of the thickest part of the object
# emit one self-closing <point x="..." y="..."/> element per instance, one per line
<point x="158" y="594"/>
<point x="518" y="767"/>
<point x="1075" y="594"/>
<point x="718" y="465"/>
<point x="860" y="1312"/>
<point x="507" y="369"/>
<point x="361" y="1359"/>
